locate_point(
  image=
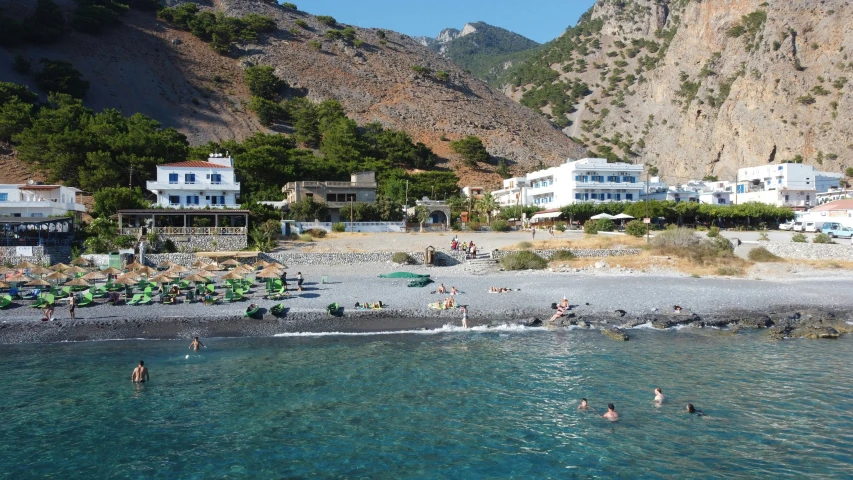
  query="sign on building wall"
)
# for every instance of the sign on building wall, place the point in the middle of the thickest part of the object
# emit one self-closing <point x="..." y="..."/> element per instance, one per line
<point x="24" y="251"/>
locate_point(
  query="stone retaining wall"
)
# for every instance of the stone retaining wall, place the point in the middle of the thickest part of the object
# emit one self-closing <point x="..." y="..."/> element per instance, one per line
<point x="446" y="258"/>
<point x="9" y="255"/>
<point x="207" y="243"/>
<point x="812" y="251"/>
<point x="578" y="252"/>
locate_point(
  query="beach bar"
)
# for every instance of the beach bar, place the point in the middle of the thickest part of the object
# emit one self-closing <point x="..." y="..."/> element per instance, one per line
<point x="189" y="229"/>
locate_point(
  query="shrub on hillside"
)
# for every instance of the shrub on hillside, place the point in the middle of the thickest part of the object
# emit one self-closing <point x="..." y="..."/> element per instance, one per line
<point x="822" y="238"/>
<point x="306" y="237"/>
<point x="523" y="261"/>
<point x="46" y="24"/>
<point x="799" y="238"/>
<point x="92" y="17"/>
<point x="730" y="271"/>
<point x="606" y="225"/>
<point x="561" y="227"/>
<point x="402" y="258"/>
<point x="761" y="254"/>
<point x="339" y="227"/>
<point x="316" y="232"/>
<point x="61" y="77"/>
<point x="268" y="111"/>
<point x="289" y="6"/>
<point x="263" y="83"/>
<point x="169" y="246"/>
<point x="591" y="227"/>
<point x="302" y="23"/>
<point x="713" y="232"/>
<point x="562" y="256"/>
<point x="327" y="20"/>
<point x="636" y="228"/>
<point x="500" y="226"/>
<point x="474" y="226"/>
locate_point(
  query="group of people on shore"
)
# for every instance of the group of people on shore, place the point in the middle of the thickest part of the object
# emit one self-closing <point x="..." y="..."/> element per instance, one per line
<point x="659" y="400"/>
<point x="469" y="248"/>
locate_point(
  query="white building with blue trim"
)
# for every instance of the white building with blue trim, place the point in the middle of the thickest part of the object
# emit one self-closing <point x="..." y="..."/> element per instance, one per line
<point x="197" y="184"/>
<point x="584" y="180"/>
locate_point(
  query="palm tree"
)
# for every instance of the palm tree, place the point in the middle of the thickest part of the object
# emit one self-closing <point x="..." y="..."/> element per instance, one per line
<point x="487" y="205"/>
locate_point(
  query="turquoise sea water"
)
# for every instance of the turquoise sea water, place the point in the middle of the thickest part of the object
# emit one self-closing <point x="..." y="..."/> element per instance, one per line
<point x="497" y="404"/>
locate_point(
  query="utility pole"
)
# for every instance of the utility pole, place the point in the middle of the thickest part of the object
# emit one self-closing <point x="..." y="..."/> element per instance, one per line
<point x="351" y="208"/>
<point x="648" y="225"/>
<point x="406" y="208"/>
<point x="130" y="177"/>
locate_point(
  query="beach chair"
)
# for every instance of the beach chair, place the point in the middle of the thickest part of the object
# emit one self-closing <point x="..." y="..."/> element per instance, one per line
<point x="229" y="295"/>
<point x="209" y="300"/>
<point x="238" y="294"/>
<point x="147" y="290"/>
<point x="275" y="310"/>
<point x="190" y="296"/>
<point x="98" y="292"/>
<point x="146" y="300"/>
<point x="60" y="292"/>
<point x="32" y="294"/>
<point x="281" y="293"/>
<point x="136" y="298"/>
<point x="87" y="299"/>
<point x="40" y="303"/>
<point x="210" y="288"/>
<point x="5" y="301"/>
<point x="184" y="285"/>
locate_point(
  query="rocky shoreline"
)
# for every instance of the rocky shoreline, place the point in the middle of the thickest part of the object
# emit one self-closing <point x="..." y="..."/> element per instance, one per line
<point x="780" y="323"/>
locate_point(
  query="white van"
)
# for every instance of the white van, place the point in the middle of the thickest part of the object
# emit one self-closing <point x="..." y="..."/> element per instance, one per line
<point x="798" y="227"/>
<point x="812" y="227"/>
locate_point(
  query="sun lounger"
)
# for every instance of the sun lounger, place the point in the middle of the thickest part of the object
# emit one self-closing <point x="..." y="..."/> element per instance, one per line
<point x="333" y="309"/>
<point x="32" y="294"/>
<point x="251" y="310"/>
<point x="5" y="301"/>
<point x="136" y="298"/>
<point x="209" y="300"/>
<point x="40" y="303"/>
<point x="87" y="299"/>
<point x="146" y="300"/>
<point x="275" y="310"/>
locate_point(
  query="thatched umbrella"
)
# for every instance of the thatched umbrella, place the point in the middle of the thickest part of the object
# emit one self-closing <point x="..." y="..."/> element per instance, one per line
<point x="125" y="280"/>
<point x="60" y="267"/>
<point x="39" y="270"/>
<point x="162" y="278"/>
<point x="212" y="267"/>
<point x="231" y="263"/>
<point x="56" y="276"/>
<point x="177" y="270"/>
<point x="133" y="266"/>
<point x="197" y="278"/>
<point x="244" y="270"/>
<point x="94" y="276"/>
<point x="112" y="271"/>
<point x="77" y="282"/>
<point x="81" y="262"/>
<point x="232" y="276"/>
<point x="7" y="270"/>
<point x="167" y="264"/>
<point x="38" y="283"/>
<point x="19" y="278"/>
<point x="268" y="273"/>
<point x="147" y="271"/>
<point x="4" y="285"/>
<point x="75" y="270"/>
<point x="261" y="263"/>
<point x="26" y="265"/>
<point x="198" y="264"/>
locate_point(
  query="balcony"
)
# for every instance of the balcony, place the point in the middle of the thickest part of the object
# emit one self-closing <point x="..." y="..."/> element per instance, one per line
<point x="178" y="206"/>
<point x="625" y="185"/>
<point x="47" y="203"/>
<point x="199" y="186"/>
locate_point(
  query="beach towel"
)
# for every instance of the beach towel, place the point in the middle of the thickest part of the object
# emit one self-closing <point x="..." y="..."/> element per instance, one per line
<point x="402" y="275"/>
<point x="420" y="282"/>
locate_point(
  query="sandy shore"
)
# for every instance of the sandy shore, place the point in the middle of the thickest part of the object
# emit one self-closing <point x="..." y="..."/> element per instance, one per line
<point x="595" y="298"/>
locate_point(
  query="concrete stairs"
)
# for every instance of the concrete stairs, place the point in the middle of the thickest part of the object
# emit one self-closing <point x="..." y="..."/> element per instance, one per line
<point x="481" y="265"/>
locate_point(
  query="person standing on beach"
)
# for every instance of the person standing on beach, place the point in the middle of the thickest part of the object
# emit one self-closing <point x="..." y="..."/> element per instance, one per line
<point x="48" y="312"/>
<point x="611" y="413"/>
<point x="464" y="316"/>
<point x="196" y="345"/>
<point x="299" y="281"/>
<point x="72" y="304"/>
<point x="140" y="373"/>
<point x="659" y="398"/>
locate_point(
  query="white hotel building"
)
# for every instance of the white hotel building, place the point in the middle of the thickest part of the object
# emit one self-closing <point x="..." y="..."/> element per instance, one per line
<point x="788" y="184"/>
<point x="197" y="184"/>
<point x="40" y="201"/>
<point x="585" y="180"/>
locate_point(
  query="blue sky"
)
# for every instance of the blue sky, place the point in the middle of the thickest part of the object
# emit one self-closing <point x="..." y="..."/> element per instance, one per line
<point x="540" y="20"/>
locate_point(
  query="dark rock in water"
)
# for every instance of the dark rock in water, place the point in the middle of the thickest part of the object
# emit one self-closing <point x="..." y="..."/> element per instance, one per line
<point x="530" y="322"/>
<point x="819" y="332"/>
<point x="621" y="312"/>
<point x="754" y="321"/>
<point x="661" y="322"/>
<point x="616" y="334"/>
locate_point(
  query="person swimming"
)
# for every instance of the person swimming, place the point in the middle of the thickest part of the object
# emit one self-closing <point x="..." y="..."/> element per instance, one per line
<point x="140" y="373"/>
<point x="692" y="409"/>
<point x="659" y="397"/>
<point x="611" y="413"/>
<point x="584" y="405"/>
<point x="196" y="345"/>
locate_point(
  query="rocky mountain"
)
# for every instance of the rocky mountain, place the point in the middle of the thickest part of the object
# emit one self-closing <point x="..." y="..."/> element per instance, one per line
<point x="482" y="49"/>
<point x="701" y="88"/>
<point x="150" y="67"/>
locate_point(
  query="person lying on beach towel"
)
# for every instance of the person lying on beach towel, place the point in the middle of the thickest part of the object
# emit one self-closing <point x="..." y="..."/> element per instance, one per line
<point x="369" y="306"/>
<point x="499" y="290"/>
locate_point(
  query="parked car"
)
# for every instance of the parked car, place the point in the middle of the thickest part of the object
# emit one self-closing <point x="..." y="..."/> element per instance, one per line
<point x="840" y="232"/>
<point x="827" y="226"/>
<point x="811" y="227"/>
<point x="798" y="227"/>
<point x="786" y="226"/>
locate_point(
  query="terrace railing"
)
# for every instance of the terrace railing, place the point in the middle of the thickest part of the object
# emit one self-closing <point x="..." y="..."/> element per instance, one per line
<point x="187" y="231"/>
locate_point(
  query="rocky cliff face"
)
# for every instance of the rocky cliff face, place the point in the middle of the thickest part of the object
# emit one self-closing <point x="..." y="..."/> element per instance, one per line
<point x="702" y="88"/>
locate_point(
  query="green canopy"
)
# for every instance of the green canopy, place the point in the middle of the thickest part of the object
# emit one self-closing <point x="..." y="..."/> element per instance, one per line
<point x="420" y="282"/>
<point x="402" y="275"/>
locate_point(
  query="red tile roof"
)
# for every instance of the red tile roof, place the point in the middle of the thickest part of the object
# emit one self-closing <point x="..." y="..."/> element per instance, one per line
<point x="38" y="187"/>
<point x="844" y="204"/>
<point x="194" y="163"/>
